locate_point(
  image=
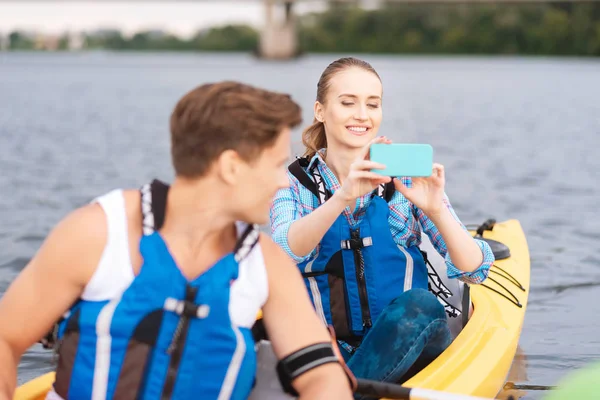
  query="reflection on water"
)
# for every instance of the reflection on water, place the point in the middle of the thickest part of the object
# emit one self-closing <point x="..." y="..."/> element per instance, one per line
<point x="517" y="373"/>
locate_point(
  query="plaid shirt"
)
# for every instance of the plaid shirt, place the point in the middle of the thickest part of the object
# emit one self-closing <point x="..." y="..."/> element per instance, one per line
<point x="405" y="221"/>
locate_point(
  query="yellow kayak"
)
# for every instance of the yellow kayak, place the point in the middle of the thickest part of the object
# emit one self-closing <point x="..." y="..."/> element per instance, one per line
<point x="478" y="361"/>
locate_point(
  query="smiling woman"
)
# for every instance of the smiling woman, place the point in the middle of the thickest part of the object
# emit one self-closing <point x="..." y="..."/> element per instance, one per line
<point x="355" y="234"/>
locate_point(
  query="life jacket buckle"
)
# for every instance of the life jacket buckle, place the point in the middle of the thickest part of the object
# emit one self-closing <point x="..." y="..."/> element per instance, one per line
<point x="357" y="243"/>
<point x="187" y="308"/>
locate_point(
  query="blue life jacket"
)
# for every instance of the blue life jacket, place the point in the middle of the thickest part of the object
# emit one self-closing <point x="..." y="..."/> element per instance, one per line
<point x="359" y="270"/>
<point x="165" y="336"/>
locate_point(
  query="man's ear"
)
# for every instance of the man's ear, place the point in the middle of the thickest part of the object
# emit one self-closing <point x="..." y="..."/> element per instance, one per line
<point x="229" y="165"/>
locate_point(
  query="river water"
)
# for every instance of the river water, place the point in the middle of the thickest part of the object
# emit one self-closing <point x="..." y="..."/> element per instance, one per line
<point x="519" y="138"/>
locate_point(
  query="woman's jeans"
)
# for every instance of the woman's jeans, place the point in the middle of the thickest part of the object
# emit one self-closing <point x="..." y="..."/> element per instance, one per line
<point x="410" y="332"/>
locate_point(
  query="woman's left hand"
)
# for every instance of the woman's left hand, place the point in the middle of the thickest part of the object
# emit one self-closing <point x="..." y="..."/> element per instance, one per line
<point x="426" y="193"/>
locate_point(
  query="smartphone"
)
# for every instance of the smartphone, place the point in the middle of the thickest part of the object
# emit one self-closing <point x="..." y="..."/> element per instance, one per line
<point x="411" y="160"/>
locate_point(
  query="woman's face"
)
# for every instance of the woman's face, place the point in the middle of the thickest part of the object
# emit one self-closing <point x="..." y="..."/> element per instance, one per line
<point x="352" y="110"/>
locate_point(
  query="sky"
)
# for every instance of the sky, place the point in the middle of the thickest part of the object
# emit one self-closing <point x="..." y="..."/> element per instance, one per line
<point x="183" y="18"/>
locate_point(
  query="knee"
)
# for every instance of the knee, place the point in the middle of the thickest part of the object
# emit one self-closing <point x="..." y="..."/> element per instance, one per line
<point x="419" y="303"/>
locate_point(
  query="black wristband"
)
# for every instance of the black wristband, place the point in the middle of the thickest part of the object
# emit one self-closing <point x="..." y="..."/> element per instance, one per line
<point x="301" y="361"/>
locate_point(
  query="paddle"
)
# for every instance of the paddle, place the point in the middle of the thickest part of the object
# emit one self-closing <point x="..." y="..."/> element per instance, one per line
<point x="377" y="389"/>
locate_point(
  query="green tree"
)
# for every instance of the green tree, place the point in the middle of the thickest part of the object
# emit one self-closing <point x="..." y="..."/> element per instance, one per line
<point x="540" y="28"/>
<point x="20" y="41"/>
<point x="228" y="38"/>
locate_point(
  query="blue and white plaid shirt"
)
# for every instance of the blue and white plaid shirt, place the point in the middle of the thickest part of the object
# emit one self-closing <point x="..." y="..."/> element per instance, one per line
<point x="405" y="221"/>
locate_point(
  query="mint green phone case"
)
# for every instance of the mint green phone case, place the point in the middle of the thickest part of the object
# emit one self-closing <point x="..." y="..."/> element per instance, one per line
<point x="412" y="160"/>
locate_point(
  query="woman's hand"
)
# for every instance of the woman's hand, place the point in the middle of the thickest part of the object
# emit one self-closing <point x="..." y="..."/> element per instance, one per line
<point x="360" y="179"/>
<point x="426" y="193"/>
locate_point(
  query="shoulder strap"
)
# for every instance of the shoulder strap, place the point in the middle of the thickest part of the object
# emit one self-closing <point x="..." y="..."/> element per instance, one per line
<point x="385" y="191"/>
<point x="311" y="180"/>
<point x="296" y="169"/>
<point x="248" y="239"/>
<point x="154" y="204"/>
<point x="388" y="191"/>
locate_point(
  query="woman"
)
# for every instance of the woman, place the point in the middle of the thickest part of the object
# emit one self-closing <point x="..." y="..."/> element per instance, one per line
<point x="355" y="234"/>
<point x="167" y="281"/>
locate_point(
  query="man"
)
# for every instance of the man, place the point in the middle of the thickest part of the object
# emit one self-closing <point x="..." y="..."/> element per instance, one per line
<point x="162" y="285"/>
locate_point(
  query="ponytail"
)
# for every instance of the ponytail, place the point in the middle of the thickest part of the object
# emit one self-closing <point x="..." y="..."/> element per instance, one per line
<point x="314" y="138"/>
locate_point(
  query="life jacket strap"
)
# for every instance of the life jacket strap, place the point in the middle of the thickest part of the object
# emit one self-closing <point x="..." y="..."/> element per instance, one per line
<point x="246" y="242"/>
<point x="310" y="179"/>
<point x="154" y="203"/>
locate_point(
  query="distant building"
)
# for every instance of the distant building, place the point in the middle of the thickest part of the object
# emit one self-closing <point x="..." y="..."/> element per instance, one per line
<point x="76" y="41"/>
<point x="46" y="42"/>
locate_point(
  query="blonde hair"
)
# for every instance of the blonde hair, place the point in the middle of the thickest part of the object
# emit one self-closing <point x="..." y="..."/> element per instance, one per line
<point x="313" y="137"/>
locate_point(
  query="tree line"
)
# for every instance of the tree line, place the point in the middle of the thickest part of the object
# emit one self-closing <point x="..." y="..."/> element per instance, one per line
<point x="523" y="29"/>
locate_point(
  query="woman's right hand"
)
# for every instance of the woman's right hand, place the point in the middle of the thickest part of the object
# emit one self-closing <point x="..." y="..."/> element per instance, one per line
<point x="360" y="179"/>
